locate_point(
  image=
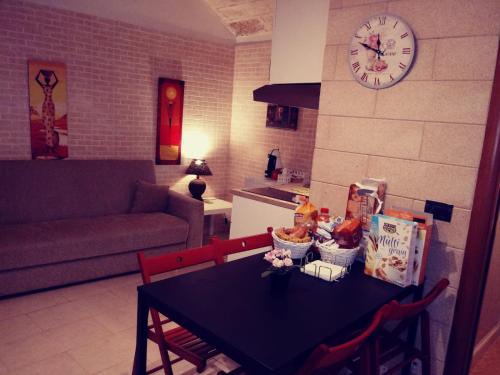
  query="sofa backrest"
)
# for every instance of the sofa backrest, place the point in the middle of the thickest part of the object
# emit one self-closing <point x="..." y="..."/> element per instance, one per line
<point x="38" y="190"/>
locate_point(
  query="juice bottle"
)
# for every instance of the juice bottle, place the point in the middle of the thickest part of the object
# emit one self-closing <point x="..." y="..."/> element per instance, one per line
<point x="324" y="214"/>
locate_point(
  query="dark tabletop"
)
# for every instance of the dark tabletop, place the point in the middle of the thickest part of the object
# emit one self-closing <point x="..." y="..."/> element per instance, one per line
<point x="231" y="307"/>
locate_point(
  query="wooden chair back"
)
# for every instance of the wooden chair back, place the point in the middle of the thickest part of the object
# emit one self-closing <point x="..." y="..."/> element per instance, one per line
<point x="390" y="347"/>
<point x="405" y="311"/>
<point x="155" y="265"/>
<point x="237" y="245"/>
<point x="324" y="356"/>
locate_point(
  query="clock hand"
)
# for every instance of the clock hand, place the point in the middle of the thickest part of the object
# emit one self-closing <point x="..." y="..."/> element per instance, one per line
<point x="368" y="47"/>
<point x="378" y="46"/>
<point x="377" y="51"/>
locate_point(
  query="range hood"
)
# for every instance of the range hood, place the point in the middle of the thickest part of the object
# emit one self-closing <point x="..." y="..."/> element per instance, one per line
<point x="305" y="95"/>
<point x="298" y="43"/>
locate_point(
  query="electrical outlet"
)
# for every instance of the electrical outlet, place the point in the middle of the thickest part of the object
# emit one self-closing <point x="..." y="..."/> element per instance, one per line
<point x="440" y="211"/>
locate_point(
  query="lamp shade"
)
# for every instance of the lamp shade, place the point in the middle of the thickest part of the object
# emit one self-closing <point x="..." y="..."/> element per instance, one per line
<point x="198" y="167"/>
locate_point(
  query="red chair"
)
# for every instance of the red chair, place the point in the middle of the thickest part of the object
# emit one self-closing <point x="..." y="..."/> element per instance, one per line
<point x="177" y="340"/>
<point x="389" y="344"/>
<point x="330" y="360"/>
<point x="224" y="248"/>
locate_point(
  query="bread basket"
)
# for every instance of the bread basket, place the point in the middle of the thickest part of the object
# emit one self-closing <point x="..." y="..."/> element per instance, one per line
<point x="340" y="257"/>
<point x="298" y="249"/>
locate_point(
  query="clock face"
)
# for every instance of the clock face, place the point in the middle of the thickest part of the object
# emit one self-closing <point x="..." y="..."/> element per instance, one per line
<point x="381" y="51"/>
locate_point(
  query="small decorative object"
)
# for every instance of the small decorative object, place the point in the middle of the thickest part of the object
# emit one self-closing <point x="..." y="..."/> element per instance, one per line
<point x="280" y="270"/>
<point x="197" y="186"/>
<point x="381" y="51"/>
<point x="48" y="110"/>
<point x="282" y="117"/>
<point x="169" y="127"/>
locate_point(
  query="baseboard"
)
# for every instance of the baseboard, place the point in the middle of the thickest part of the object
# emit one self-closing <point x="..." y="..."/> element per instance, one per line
<point x="483" y="345"/>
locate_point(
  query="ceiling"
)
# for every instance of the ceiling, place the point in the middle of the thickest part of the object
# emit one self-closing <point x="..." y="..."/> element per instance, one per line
<point x="223" y="21"/>
<point x="246" y="19"/>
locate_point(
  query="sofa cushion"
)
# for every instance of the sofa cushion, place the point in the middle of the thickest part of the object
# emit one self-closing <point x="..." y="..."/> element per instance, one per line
<point x="149" y="197"/>
<point x="35" y="190"/>
<point x="31" y="244"/>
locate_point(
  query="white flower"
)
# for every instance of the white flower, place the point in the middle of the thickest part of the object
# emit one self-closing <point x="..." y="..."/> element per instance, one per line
<point x="278" y="263"/>
<point x="287" y="253"/>
<point x="269" y="257"/>
<point x="288" y="262"/>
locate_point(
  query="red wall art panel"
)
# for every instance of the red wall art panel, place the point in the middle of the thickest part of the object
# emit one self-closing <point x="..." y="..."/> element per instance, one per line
<point x="169" y="131"/>
<point x="48" y="110"/>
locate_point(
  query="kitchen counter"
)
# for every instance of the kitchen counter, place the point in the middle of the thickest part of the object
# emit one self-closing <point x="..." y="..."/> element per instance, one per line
<point x="253" y="213"/>
<point x="264" y="199"/>
<point x="281" y="200"/>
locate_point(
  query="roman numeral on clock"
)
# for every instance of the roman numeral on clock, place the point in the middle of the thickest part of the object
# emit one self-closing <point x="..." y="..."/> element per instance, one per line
<point x="406" y="51"/>
<point x="376" y="81"/>
<point x="367" y="25"/>
<point x="355" y="66"/>
<point x="364" y="77"/>
<point x="402" y="66"/>
<point x="381" y="20"/>
<point x="354" y="52"/>
<point x="395" y="24"/>
<point x="391" y="77"/>
<point x="404" y="35"/>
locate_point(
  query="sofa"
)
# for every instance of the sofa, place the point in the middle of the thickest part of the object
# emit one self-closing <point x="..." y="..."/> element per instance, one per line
<point x="67" y="221"/>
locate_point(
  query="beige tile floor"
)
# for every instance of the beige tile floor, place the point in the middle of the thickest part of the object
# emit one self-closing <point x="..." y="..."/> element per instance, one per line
<point x="79" y="330"/>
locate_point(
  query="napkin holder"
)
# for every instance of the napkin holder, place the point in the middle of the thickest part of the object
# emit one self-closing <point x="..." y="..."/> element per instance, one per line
<point x="322" y="270"/>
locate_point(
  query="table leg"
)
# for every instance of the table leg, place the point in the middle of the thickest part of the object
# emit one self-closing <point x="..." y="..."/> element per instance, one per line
<point x="141" y="336"/>
<point x="211" y="225"/>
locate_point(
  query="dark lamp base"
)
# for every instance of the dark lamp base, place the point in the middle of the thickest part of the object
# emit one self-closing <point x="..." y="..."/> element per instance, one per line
<point x="197" y="187"/>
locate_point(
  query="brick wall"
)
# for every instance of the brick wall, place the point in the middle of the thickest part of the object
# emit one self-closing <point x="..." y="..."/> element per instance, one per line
<point x="112" y="71"/>
<point x="251" y="141"/>
<point x="424" y="135"/>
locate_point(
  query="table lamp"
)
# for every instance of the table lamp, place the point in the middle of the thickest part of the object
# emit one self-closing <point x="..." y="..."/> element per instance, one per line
<point x="197" y="186"/>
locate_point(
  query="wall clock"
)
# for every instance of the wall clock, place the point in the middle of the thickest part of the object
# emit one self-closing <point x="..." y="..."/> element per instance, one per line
<point x="381" y="51"/>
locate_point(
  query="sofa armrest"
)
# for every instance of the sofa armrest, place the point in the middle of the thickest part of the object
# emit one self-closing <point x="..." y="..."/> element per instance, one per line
<point x="192" y="211"/>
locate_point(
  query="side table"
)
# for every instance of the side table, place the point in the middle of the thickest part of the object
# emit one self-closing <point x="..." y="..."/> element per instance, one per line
<point x="215" y="206"/>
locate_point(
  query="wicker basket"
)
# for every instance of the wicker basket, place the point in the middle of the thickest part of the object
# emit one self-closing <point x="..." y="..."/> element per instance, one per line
<point x="340" y="257"/>
<point x="298" y="250"/>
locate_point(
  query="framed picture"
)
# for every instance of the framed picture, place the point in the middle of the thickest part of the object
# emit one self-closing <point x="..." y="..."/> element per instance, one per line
<point x="48" y="110"/>
<point x="169" y="126"/>
<point x="282" y="117"/>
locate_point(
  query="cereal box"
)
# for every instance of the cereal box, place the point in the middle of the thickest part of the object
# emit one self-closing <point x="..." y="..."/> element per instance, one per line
<point x="424" y="222"/>
<point x="391" y="249"/>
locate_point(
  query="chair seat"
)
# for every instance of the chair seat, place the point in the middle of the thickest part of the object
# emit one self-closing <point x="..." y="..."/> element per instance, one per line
<point x="180" y="337"/>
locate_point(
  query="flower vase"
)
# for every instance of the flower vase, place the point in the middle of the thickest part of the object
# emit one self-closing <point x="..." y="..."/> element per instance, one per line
<point x="279" y="282"/>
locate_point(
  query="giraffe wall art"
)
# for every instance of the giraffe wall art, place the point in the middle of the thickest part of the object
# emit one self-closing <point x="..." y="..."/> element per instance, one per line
<point x="48" y="110"/>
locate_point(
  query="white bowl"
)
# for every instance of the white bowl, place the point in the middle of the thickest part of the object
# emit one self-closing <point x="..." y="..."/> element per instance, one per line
<point x="298" y="250"/>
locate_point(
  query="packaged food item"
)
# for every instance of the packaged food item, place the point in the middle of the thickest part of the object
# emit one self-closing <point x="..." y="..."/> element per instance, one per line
<point x="325" y="223"/>
<point x="366" y="198"/>
<point x="391" y="249"/>
<point x="348" y="234"/>
<point x="306" y="214"/>
<point x="424" y="222"/>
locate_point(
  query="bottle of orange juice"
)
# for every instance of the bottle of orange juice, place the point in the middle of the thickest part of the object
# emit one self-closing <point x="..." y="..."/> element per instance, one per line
<point x="306" y="214"/>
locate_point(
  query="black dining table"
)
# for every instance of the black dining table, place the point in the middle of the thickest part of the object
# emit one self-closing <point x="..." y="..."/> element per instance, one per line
<point x="233" y="308"/>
